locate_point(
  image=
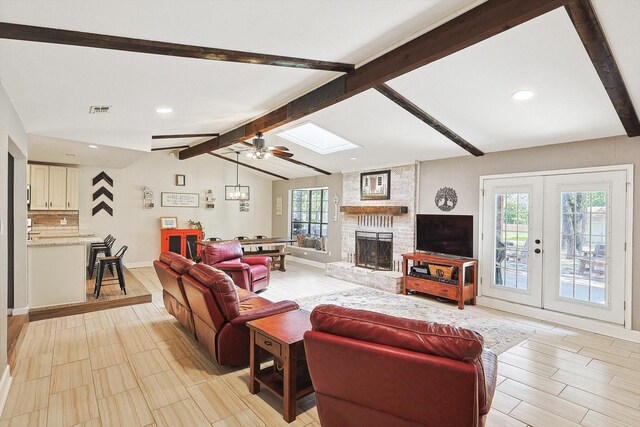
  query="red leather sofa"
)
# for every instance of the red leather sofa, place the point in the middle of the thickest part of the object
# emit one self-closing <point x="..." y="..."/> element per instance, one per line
<point x="248" y="273"/>
<point x="210" y="306"/>
<point x="221" y="311"/>
<point x="170" y="268"/>
<point x="370" y="369"/>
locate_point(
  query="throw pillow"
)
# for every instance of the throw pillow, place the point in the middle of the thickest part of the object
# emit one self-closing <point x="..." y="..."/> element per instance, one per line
<point x="300" y="239"/>
<point x="310" y="243"/>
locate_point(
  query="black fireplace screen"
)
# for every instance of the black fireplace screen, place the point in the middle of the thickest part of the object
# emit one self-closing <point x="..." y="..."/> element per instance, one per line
<point x="374" y="250"/>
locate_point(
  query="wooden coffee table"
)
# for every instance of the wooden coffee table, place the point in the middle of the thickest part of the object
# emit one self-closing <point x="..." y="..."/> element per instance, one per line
<point x="288" y="378"/>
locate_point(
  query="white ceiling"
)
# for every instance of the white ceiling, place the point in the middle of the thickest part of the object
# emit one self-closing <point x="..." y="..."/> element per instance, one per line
<point x="52" y="86"/>
<point x="544" y="56"/>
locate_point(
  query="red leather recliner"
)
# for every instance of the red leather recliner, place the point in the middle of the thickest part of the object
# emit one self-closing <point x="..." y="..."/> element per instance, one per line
<point x="170" y="268"/>
<point x="220" y="314"/>
<point x="377" y="370"/>
<point x="248" y="273"/>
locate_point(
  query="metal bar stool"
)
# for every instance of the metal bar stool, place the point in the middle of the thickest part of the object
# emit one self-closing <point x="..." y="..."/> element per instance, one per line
<point x="99" y="248"/>
<point x="111" y="261"/>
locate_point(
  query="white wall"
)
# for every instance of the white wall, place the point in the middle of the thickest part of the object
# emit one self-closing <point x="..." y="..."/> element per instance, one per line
<point x="139" y="228"/>
<point x="12" y="139"/>
<point x="463" y="174"/>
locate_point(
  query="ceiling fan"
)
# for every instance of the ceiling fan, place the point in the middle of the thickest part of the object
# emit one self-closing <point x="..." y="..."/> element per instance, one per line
<point x="260" y="150"/>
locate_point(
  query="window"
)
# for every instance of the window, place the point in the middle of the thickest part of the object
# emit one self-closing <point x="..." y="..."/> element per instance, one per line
<point x="310" y="212"/>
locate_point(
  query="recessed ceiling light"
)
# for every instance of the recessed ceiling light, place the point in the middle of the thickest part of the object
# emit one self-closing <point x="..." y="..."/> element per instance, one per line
<point x="354" y="158"/>
<point x="317" y="139"/>
<point x="164" y="110"/>
<point x="93" y="146"/>
<point x="522" y="95"/>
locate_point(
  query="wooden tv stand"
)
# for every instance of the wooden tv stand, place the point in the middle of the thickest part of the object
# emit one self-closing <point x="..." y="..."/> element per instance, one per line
<point x="461" y="289"/>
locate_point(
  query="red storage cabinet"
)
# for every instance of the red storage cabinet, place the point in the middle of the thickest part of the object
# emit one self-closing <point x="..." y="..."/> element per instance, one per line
<point x="177" y="239"/>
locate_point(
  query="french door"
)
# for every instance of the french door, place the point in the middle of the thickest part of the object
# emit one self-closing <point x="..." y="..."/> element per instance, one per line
<point x="557" y="242"/>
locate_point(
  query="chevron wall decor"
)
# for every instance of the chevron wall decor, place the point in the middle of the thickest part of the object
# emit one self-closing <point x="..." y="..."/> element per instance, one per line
<point x="102" y="191"/>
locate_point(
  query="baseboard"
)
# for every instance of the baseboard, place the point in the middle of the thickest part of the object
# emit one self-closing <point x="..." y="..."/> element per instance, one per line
<point x="5" y="385"/>
<point x="589" y="325"/>
<point x="138" y="264"/>
<point x="306" y="261"/>
<point x="20" y="311"/>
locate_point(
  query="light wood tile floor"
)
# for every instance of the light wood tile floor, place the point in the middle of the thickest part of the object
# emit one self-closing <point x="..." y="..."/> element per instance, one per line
<point x="136" y="366"/>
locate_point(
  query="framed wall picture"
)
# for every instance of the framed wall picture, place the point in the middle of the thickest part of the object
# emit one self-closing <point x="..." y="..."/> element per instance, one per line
<point x="168" y="222"/>
<point x="375" y="185"/>
<point x="180" y="180"/>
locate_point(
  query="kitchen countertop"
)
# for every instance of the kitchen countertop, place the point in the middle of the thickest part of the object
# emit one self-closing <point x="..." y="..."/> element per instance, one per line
<point x="63" y="241"/>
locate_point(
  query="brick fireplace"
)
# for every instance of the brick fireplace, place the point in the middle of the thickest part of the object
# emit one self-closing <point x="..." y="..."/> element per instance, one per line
<point x="395" y="216"/>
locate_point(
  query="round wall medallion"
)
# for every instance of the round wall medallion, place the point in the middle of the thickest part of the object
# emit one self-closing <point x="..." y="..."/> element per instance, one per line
<point x="446" y="199"/>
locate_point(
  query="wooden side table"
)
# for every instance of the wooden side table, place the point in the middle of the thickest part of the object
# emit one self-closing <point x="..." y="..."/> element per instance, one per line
<point x="281" y="336"/>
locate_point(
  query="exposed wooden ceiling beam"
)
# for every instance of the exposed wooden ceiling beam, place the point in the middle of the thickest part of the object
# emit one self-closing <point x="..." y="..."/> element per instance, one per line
<point x="248" y="166"/>
<point x="184" y="135"/>
<point x="299" y="163"/>
<point x="179" y="147"/>
<point x="425" y="117"/>
<point x="585" y="20"/>
<point x="478" y="24"/>
<point x="296" y="162"/>
<point x="103" y="41"/>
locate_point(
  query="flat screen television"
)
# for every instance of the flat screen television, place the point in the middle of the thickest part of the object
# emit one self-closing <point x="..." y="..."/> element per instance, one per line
<point x="445" y="234"/>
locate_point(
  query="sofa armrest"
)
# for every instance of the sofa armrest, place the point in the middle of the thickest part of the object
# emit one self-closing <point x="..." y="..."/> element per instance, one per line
<point x="258" y="260"/>
<point x="232" y="266"/>
<point x="269" y="310"/>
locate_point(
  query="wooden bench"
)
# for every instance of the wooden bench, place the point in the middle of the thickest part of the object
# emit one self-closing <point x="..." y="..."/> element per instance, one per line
<point x="277" y="258"/>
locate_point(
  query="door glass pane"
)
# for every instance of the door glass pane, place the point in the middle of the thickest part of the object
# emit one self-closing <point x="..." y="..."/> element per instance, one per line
<point x="512" y="236"/>
<point x="583" y="252"/>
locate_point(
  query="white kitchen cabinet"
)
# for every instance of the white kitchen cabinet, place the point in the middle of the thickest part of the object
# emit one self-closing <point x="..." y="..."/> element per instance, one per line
<point x="39" y="181"/>
<point x="72" y="189"/>
<point x="53" y="187"/>
<point x="57" y="188"/>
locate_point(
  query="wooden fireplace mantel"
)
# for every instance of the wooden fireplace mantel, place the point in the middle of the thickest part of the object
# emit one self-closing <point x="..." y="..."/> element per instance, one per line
<point x="385" y="210"/>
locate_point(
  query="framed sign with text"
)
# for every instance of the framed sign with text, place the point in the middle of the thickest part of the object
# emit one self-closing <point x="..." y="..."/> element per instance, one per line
<point x="180" y="200"/>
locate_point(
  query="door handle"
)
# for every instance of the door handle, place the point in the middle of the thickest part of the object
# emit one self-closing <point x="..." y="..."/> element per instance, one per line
<point x="537" y="241"/>
<point x="537" y="251"/>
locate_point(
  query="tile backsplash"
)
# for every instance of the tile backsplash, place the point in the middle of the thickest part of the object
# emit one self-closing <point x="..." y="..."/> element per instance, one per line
<point x="48" y="222"/>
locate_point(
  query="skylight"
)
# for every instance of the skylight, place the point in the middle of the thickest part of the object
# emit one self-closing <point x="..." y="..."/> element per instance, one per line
<point x="317" y="139"/>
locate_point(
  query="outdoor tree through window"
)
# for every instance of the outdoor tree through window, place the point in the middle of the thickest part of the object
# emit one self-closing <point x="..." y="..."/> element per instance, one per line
<point x="310" y="212"/>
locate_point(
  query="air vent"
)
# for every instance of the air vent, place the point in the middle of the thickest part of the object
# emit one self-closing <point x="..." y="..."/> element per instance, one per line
<point x="95" y="109"/>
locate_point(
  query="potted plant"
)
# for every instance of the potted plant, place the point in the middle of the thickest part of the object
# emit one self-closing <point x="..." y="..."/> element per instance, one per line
<point x="196" y="225"/>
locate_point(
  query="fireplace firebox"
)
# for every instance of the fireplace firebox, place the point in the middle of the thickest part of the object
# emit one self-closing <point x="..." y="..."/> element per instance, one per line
<point x="374" y="250"/>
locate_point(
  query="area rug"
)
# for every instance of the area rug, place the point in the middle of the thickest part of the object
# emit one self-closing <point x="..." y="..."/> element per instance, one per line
<point x="499" y="335"/>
